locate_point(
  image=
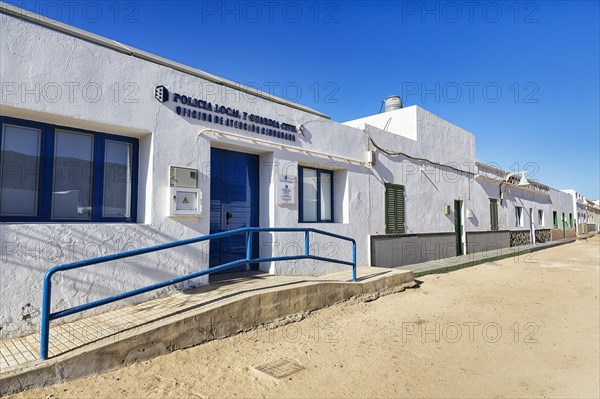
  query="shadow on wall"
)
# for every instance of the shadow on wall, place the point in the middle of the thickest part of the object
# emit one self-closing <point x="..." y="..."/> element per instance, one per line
<point x="28" y="251"/>
<point x="474" y="220"/>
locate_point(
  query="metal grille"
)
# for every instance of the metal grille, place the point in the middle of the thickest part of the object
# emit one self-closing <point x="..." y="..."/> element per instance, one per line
<point x="279" y="368"/>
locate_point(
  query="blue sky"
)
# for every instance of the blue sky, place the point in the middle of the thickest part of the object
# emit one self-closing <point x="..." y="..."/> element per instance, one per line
<point x="523" y="76"/>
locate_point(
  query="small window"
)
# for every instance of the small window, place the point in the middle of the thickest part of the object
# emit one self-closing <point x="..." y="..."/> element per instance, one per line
<point x="519" y="216"/>
<point x="540" y="217"/>
<point x="394" y="209"/>
<point x="316" y="195"/>
<point x="494" y="214"/>
<point x="555" y="219"/>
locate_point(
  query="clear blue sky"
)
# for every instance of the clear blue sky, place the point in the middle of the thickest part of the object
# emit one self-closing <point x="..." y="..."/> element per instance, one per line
<point x="524" y="77"/>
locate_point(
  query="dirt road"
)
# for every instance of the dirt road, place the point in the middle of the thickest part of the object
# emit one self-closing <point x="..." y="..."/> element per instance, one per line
<point x="521" y="327"/>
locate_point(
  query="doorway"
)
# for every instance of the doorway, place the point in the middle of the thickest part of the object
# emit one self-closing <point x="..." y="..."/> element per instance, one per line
<point x="234" y="196"/>
<point x="458" y="227"/>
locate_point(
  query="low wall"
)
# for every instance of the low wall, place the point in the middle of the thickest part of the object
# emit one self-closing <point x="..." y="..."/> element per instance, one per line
<point x="398" y="250"/>
<point x="557" y="234"/>
<point x="480" y="241"/>
<point x="520" y="237"/>
<point x="543" y="235"/>
<point x="392" y="250"/>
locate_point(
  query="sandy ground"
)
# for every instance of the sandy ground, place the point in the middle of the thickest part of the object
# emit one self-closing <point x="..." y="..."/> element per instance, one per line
<point x="521" y="327"/>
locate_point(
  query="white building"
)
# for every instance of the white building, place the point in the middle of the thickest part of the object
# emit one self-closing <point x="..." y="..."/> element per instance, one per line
<point x="593" y="215"/>
<point x="578" y="214"/>
<point x="106" y="148"/>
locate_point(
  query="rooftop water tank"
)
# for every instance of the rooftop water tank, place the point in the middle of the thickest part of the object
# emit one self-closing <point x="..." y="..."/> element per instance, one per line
<point x="393" y="103"/>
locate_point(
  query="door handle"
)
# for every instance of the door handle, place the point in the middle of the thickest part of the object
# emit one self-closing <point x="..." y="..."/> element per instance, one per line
<point x="228" y="216"/>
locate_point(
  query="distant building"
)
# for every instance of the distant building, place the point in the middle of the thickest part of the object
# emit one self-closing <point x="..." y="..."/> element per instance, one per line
<point x="593" y="215"/>
<point x="583" y="212"/>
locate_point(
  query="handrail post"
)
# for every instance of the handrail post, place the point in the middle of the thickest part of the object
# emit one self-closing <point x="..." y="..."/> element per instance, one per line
<point x="249" y="246"/>
<point x="306" y="243"/>
<point x="45" y="327"/>
<point x="354" y="261"/>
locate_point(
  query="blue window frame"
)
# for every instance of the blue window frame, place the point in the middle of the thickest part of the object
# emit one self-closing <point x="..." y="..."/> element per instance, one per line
<point x="316" y="195"/>
<point x="52" y="173"/>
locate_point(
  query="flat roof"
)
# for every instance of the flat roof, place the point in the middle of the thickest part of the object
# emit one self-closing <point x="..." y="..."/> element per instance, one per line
<point x="69" y="30"/>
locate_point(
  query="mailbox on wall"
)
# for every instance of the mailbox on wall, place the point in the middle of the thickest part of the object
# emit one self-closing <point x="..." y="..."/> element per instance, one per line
<point x="185" y="198"/>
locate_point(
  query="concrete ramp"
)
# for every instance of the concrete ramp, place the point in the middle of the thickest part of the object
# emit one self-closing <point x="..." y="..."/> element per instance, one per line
<point x="116" y="338"/>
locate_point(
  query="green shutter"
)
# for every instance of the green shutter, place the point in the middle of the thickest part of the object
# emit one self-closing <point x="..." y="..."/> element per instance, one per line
<point x="394" y="209"/>
<point x="493" y="214"/>
<point x="400" y="209"/>
<point x="571" y="219"/>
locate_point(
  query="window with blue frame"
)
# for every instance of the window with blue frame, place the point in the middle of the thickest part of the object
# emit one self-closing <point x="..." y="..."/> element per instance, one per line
<point x="316" y="195"/>
<point x="56" y="174"/>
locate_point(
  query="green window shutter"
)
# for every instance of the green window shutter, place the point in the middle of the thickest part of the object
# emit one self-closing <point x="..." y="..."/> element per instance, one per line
<point x="394" y="209"/>
<point x="400" y="209"/>
<point x="493" y="214"/>
<point x="571" y="219"/>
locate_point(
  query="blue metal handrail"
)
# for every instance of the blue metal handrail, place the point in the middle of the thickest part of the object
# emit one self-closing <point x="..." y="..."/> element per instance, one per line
<point x="47" y="316"/>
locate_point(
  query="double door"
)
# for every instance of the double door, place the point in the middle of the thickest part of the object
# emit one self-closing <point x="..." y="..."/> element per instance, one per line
<point x="234" y="196"/>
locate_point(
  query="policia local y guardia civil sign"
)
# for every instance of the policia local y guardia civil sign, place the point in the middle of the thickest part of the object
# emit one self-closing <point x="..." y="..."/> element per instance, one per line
<point x="193" y="108"/>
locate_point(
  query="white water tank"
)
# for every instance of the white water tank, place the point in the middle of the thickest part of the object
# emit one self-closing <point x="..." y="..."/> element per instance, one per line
<point x="393" y="103"/>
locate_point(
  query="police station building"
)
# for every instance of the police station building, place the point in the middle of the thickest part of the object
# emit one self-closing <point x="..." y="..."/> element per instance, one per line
<point x="107" y="148"/>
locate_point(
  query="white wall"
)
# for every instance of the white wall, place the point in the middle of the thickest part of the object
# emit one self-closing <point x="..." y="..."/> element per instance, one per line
<point x="402" y="122"/>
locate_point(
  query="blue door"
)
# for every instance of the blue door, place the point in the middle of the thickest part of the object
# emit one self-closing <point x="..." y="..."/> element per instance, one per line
<point x="233" y="204"/>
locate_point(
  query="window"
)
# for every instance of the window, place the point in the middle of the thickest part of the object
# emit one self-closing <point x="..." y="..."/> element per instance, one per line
<point x="555" y="219"/>
<point x="494" y="213"/>
<point x="73" y="176"/>
<point x="570" y="219"/>
<point x="19" y="170"/>
<point x="540" y="217"/>
<point x="518" y="216"/>
<point x="394" y="209"/>
<point x="49" y="173"/>
<point x="316" y="195"/>
<point x="117" y="175"/>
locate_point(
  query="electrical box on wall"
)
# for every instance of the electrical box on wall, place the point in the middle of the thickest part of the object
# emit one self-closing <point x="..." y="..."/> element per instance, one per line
<point x="185" y="201"/>
<point x="183" y="177"/>
<point x="185" y="198"/>
<point x="446" y="210"/>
